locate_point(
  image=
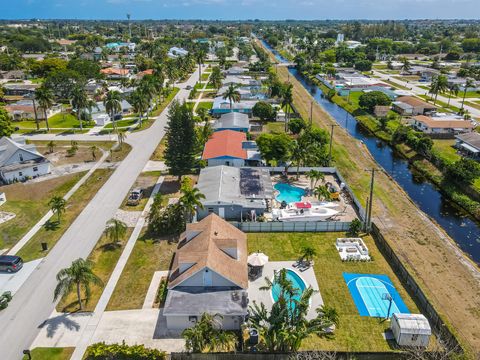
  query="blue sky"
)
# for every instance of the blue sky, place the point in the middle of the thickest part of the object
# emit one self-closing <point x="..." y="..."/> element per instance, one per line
<point x="240" y="9"/>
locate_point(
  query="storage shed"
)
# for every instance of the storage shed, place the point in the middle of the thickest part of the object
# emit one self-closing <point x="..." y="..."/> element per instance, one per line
<point x="411" y="329"/>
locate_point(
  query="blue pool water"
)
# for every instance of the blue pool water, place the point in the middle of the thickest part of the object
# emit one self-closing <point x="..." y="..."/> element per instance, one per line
<point x="289" y="193"/>
<point x="297" y="283"/>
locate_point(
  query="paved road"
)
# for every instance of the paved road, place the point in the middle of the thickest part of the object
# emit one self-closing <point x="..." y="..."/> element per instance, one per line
<point x="33" y="303"/>
<point x="419" y="91"/>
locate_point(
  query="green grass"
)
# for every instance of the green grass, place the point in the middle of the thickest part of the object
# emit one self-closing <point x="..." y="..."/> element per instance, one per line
<point x="61" y="120"/>
<point x="158" y="154"/>
<point x="122" y="123"/>
<point x="354" y="333"/>
<point x="275" y="127"/>
<point x="51" y="353"/>
<point x="84" y="194"/>
<point x="29" y="202"/>
<point x="205" y="104"/>
<point x="205" y="76"/>
<point x="147" y="256"/>
<point x="444" y="149"/>
<point x="159" y="109"/>
<point x="104" y="256"/>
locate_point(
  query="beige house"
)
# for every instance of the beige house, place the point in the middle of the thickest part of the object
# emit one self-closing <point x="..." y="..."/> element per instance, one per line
<point x="209" y="274"/>
<point x="410" y="105"/>
<point x="432" y="125"/>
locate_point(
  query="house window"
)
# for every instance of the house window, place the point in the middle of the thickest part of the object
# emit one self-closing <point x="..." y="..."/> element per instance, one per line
<point x="21" y="157"/>
<point x="210" y="210"/>
<point x="35" y="168"/>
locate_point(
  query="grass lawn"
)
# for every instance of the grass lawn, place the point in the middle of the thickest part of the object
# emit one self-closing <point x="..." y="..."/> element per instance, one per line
<point x="205" y="104"/>
<point x="60" y="120"/>
<point x="445" y="150"/>
<point x="158" y="154"/>
<point x="52" y="233"/>
<point x="473" y="104"/>
<point x="122" y="123"/>
<point x="275" y="127"/>
<point x="29" y="202"/>
<point x="104" y="257"/>
<point x="354" y="333"/>
<point x="205" y="76"/>
<point x="148" y="256"/>
<point x="158" y="110"/>
<point x="51" y="353"/>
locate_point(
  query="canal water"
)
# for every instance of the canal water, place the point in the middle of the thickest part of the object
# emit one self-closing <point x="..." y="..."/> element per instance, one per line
<point x="461" y="227"/>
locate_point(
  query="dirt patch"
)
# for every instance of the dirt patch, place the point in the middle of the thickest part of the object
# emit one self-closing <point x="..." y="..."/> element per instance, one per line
<point x="171" y="186"/>
<point x="60" y="155"/>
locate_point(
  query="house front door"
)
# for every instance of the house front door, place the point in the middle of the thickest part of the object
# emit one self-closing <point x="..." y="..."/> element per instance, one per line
<point x="221" y="212"/>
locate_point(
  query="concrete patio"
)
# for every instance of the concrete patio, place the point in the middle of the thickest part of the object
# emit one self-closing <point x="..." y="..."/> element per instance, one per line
<point x="265" y="297"/>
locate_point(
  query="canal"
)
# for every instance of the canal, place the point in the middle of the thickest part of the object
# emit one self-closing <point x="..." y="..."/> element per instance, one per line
<point x="459" y="226"/>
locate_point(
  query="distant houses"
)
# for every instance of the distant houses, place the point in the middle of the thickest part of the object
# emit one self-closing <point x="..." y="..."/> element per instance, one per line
<point x="209" y="274"/>
<point x="20" y="161"/>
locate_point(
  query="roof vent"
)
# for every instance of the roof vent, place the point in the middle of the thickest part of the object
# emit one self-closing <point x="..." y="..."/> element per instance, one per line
<point x="215" y="233"/>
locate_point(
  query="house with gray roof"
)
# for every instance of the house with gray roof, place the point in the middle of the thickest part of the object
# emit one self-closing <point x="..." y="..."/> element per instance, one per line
<point x="232" y="121"/>
<point x="469" y="144"/>
<point x="234" y="193"/>
<point x="20" y="161"/>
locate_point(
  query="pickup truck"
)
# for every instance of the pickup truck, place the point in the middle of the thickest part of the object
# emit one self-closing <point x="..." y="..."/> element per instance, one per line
<point x="135" y="196"/>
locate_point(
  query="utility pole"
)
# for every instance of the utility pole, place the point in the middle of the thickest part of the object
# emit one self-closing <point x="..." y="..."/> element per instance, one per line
<point x="311" y="112"/>
<point x="368" y="220"/>
<point x="129" y="28"/>
<point x="331" y="142"/>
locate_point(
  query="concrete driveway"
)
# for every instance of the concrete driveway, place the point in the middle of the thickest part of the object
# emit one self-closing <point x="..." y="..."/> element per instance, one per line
<point x="12" y="282"/>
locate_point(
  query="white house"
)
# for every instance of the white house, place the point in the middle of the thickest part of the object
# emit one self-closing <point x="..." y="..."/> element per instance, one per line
<point x="20" y="161"/>
<point x="176" y="52"/>
<point x="209" y="274"/>
<point x="411" y="330"/>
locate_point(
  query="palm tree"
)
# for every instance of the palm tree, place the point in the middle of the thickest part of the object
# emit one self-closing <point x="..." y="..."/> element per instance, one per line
<point x="94" y="150"/>
<point x="202" y="114"/>
<point x="44" y="97"/>
<point x="216" y="77"/>
<point x="298" y="155"/>
<point x="200" y="57"/>
<point x="322" y="192"/>
<point x="78" y="275"/>
<point x="308" y="253"/>
<point x="468" y="84"/>
<point x="113" y="105"/>
<point x="439" y="85"/>
<point x="232" y="94"/>
<point x="190" y="199"/>
<point x="79" y="101"/>
<point x="140" y="103"/>
<point x="453" y="89"/>
<point x="405" y="64"/>
<point x="57" y="205"/>
<point x="115" y="230"/>
<point x="315" y="176"/>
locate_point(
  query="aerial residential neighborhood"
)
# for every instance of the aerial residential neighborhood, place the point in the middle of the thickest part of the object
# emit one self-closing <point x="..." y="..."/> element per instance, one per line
<point x="239" y="189"/>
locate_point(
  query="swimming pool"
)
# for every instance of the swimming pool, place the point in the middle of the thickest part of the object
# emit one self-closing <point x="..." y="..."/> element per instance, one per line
<point x="297" y="283"/>
<point x="288" y="193"/>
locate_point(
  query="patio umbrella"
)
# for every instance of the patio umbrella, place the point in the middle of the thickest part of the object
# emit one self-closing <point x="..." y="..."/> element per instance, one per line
<point x="257" y="259"/>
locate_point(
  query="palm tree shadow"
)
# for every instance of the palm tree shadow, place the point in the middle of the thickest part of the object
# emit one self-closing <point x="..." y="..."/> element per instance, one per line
<point x="110" y="246"/>
<point x="51" y="225"/>
<point x="53" y="324"/>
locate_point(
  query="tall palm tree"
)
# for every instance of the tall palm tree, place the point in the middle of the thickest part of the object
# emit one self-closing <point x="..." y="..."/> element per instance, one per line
<point x="315" y="176"/>
<point x="200" y="57"/>
<point x="45" y="99"/>
<point x="79" y="101"/>
<point x="322" y="192"/>
<point x="139" y="103"/>
<point x="216" y="77"/>
<point x="439" y="85"/>
<point x="78" y="275"/>
<point x="51" y="146"/>
<point x="113" y="105"/>
<point x="405" y="64"/>
<point x="232" y="95"/>
<point x="298" y="155"/>
<point x="115" y="230"/>
<point x="308" y="253"/>
<point x="191" y="198"/>
<point x="468" y="84"/>
<point x="453" y="89"/>
<point x="57" y="205"/>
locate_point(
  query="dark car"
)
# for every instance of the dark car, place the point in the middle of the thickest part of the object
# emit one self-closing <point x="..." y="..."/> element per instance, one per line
<point x="10" y="263"/>
<point x="135" y="196"/>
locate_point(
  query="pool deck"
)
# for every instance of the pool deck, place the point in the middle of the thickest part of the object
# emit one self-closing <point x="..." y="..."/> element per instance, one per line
<point x="265" y="297"/>
<point x="346" y="211"/>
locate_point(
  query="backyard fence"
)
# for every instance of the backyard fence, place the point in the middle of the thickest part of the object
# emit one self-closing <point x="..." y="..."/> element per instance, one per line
<point x="296" y="226"/>
<point x="426" y="308"/>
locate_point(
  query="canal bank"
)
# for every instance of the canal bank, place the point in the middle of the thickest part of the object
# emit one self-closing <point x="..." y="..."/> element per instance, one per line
<point x="451" y="281"/>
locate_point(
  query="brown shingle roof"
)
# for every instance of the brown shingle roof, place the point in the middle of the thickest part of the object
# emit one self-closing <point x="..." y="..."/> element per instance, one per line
<point x="413" y="101"/>
<point x="205" y="250"/>
<point x="443" y="124"/>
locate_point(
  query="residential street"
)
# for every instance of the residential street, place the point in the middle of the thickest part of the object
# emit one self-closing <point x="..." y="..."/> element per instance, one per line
<point x="33" y="303"/>
<point x="419" y="91"/>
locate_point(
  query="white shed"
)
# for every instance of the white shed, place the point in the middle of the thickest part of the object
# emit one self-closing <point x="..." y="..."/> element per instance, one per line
<point x="411" y="329"/>
<point x="3" y="198"/>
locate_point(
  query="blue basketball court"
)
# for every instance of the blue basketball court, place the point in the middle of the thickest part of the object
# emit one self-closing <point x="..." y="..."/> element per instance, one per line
<point x="372" y="294"/>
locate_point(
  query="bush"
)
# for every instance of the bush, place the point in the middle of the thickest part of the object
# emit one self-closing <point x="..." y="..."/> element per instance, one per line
<point x="102" y="351"/>
<point x="363" y="65"/>
<point x="296" y="126"/>
<point x="264" y="111"/>
<point x="355" y="227"/>
<point x="369" y="100"/>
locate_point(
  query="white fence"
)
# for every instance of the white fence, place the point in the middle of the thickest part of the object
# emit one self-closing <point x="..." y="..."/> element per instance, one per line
<point x="296" y="226"/>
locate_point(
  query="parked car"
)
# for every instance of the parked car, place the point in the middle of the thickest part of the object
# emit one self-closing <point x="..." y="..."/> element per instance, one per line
<point x="10" y="263"/>
<point x="135" y="196"/>
<point x="5" y="298"/>
<point x="189" y="87"/>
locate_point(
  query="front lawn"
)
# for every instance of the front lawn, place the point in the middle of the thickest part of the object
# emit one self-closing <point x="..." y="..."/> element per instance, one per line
<point x="51" y="353"/>
<point x="122" y="123"/>
<point x="104" y="256"/>
<point x="354" y="333"/>
<point x="28" y="201"/>
<point x="205" y="104"/>
<point x="444" y="149"/>
<point x="54" y="231"/>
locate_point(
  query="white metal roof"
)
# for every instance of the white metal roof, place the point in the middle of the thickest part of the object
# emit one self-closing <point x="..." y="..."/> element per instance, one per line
<point x="413" y="324"/>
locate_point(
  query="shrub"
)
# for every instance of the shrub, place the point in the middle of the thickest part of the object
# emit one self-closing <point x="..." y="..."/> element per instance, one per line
<point x="264" y="111"/>
<point x="369" y="100"/>
<point x="355" y="227"/>
<point x="102" y="351"/>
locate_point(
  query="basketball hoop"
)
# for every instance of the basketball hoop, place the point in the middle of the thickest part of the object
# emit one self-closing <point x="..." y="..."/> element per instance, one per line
<point x="388" y="297"/>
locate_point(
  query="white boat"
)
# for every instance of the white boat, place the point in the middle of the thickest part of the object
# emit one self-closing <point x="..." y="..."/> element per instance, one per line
<point x="312" y="205"/>
<point x="312" y="214"/>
